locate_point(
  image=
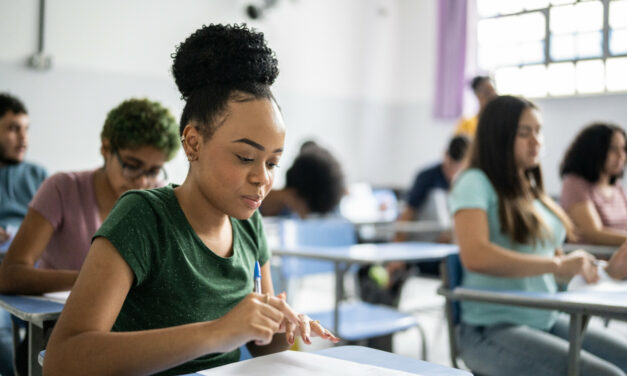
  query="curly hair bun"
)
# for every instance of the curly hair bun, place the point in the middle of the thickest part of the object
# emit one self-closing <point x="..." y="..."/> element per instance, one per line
<point x="226" y="55"/>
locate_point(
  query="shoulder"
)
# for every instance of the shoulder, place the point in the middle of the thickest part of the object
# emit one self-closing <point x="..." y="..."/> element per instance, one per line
<point x="65" y="180"/>
<point x="473" y="176"/>
<point x="145" y="198"/>
<point x="572" y="180"/>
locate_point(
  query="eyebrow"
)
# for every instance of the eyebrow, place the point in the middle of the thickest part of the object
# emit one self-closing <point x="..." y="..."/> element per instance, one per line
<point x="256" y="145"/>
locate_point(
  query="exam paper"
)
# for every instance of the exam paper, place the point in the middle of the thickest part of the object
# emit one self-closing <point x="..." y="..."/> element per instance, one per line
<point x="11" y="230"/>
<point x="605" y="284"/>
<point x="298" y="363"/>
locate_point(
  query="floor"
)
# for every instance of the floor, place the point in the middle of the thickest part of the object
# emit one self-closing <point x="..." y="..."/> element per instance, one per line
<point x="418" y="297"/>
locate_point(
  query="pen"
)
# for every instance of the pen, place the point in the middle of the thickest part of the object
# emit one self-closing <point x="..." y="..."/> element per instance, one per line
<point x="257" y="278"/>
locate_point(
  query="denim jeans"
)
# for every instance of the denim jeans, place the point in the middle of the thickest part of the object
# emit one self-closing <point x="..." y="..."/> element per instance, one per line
<point x="506" y="349"/>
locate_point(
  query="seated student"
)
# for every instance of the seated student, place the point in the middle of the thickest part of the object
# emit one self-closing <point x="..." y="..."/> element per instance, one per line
<point x="19" y="181"/>
<point x="510" y="233"/>
<point x="138" y="137"/>
<point x="484" y="90"/>
<point x="435" y="178"/>
<point x="314" y="184"/>
<point x="167" y="284"/>
<point x="592" y="193"/>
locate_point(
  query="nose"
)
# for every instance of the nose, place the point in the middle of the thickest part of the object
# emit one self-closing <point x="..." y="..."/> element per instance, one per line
<point x="142" y="182"/>
<point x="23" y="134"/>
<point x="261" y="175"/>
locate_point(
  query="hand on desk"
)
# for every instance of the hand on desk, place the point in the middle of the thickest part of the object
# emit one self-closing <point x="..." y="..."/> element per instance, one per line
<point x="617" y="266"/>
<point x="258" y="317"/>
<point x="577" y="262"/>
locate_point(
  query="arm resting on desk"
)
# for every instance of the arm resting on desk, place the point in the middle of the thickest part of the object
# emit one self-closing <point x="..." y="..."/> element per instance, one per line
<point x="588" y="221"/>
<point x="18" y="274"/>
<point x="480" y="255"/>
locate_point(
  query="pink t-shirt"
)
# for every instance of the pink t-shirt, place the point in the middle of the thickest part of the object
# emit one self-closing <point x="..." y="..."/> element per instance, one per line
<point x="68" y="201"/>
<point x="612" y="209"/>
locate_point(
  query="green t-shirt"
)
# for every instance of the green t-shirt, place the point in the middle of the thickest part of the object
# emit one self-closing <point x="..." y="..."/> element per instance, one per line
<point x="473" y="190"/>
<point x="178" y="280"/>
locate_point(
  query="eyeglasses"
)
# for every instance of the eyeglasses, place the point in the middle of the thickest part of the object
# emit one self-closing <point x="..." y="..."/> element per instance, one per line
<point x="132" y="172"/>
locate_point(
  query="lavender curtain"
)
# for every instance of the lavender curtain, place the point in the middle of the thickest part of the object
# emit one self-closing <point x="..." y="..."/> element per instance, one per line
<point x="449" y="86"/>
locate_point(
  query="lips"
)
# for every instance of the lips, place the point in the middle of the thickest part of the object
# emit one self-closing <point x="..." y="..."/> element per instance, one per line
<point x="252" y="202"/>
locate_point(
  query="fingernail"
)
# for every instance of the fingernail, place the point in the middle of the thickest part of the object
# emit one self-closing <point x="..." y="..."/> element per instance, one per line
<point x="308" y="339"/>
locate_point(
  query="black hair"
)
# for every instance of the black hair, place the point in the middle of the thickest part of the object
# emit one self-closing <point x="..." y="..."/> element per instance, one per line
<point x="11" y="103"/>
<point x="317" y="178"/>
<point x="457" y="147"/>
<point x="586" y="155"/>
<point x="477" y="81"/>
<point x="218" y="63"/>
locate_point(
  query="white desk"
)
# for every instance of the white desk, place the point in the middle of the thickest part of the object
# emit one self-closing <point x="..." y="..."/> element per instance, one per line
<point x="580" y="305"/>
<point x="365" y="254"/>
<point x="365" y="355"/>
<point x="40" y="313"/>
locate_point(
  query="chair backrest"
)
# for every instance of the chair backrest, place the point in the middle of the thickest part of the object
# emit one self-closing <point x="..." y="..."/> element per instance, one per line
<point x="452" y="273"/>
<point x="313" y="232"/>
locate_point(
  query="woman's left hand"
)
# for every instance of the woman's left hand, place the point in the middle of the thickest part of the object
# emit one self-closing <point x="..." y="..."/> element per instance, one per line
<point x="306" y="328"/>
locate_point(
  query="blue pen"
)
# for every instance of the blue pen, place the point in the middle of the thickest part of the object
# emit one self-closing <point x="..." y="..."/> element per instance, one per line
<point x="257" y="278"/>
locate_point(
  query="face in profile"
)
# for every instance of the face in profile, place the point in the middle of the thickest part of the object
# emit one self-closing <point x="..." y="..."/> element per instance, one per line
<point x="528" y="139"/>
<point x="140" y="168"/>
<point x="13" y="137"/>
<point x="235" y="168"/>
<point x="615" y="161"/>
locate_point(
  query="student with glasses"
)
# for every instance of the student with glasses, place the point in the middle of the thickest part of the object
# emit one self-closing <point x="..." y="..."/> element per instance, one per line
<point x="138" y="137"/>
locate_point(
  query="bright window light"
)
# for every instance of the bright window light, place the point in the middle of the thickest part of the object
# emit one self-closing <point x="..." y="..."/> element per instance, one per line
<point x="618" y="41"/>
<point x="535" y="4"/>
<point x="533" y="81"/>
<point x="560" y="2"/>
<point x="561" y="78"/>
<point x="532" y="52"/>
<point x="615" y="72"/>
<point x="618" y="14"/>
<point x="563" y="47"/>
<point x="530" y="27"/>
<point x="507" y="80"/>
<point x="561" y="20"/>
<point x="590" y="76"/>
<point x="588" y="16"/>
<point x="589" y="44"/>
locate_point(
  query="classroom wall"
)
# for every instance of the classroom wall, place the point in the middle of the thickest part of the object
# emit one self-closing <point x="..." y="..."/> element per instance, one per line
<point x="356" y="75"/>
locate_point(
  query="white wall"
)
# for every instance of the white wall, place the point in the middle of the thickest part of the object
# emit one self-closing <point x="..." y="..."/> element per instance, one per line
<point x="356" y="75"/>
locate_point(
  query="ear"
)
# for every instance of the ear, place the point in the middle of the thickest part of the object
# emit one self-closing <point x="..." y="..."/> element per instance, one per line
<point x="191" y="140"/>
<point x="105" y="148"/>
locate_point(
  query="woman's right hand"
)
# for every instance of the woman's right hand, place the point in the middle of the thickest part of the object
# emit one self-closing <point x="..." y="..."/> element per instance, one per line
<point x="256" y="318"/>
<point x="577" y="262"/>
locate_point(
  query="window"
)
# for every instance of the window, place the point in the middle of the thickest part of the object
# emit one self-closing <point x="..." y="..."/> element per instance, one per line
<point x="541" y="48"/>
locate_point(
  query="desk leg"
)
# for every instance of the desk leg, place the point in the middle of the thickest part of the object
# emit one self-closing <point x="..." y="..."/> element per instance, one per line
<point x="578" y="323"/>
<point x="37" y="340"/>
<point x="340" y="270"/>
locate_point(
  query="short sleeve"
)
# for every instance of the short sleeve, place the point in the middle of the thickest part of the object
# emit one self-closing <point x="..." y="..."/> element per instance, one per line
<point x="472" y="190"/>
<point x="48" y="201"/>
<point x="264" y="253"/>
<point x="574" y="190"/>
<point x="420" y="189"/>
<point x="132" y="227"/>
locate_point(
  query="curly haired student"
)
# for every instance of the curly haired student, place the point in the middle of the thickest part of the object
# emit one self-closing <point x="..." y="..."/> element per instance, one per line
<point x="167" y="285"/>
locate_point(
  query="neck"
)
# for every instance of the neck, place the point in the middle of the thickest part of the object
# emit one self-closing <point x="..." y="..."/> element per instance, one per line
<point x="604" y="180"/>
<point x="201" y="214"/>
<point x="105" y="195"/>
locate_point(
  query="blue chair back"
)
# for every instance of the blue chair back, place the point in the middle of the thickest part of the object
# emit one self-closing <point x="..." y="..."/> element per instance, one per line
<point x="313" y="232"/>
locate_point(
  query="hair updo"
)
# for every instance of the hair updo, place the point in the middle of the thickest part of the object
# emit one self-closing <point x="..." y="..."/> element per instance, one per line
<point x="218" y="63"/>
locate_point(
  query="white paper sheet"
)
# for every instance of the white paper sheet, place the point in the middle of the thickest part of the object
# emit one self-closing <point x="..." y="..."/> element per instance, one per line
<point x="298" y="363"/>
<point x="11" y="230"/>
<point x="60" y="296"/>
<point x="605" y="284"/>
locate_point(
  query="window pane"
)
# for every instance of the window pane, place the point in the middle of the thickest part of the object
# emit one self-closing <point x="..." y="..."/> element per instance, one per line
<point x="487" y="8"/>
<point x="532" y="52"/>
<point x="561" y="78"/>
<point x="618" y="14"/>
<point x="616" y="79"/>
<point x="507" y="80"/>
<point x="563" y="47"/>
<point x="561" y="19"/>
<point x="618" y="41"/>
<point x="530" y="27"/>
<point x="590" y="76"/>
<point x="533" y="81"/>
<point x="559" y="2"/>
<point x="589" y="16"/>
<point x="589" y="44"/>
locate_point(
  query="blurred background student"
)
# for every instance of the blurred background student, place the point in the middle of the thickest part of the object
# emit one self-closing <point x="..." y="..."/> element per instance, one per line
<point x="484" y="90"/>
<point x="314" y="185"/>
<point x="510" y="233"/>
<point x="19" y="181"/>
<point x="592" y="193"/>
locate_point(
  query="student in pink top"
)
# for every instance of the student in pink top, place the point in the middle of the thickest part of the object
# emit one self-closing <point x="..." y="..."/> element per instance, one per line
<point x="591" y="191"/>
<point x="138" y="137"/>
